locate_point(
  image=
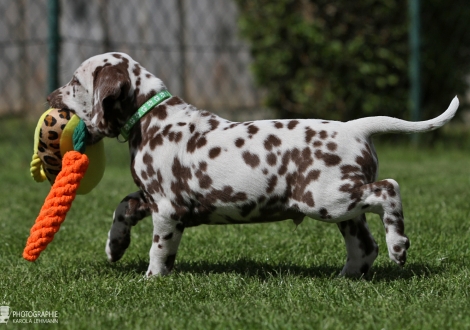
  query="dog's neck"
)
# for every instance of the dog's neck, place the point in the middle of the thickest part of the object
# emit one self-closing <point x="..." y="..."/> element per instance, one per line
<point x="144" y="90"/>
<point x="143" y="110"/>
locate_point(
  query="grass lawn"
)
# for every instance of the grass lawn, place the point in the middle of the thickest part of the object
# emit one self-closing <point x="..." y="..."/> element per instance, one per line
<point x="267" y="276"/>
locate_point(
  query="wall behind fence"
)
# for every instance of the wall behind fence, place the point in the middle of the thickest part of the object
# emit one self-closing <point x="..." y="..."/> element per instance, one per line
<point x="193" y="46"/>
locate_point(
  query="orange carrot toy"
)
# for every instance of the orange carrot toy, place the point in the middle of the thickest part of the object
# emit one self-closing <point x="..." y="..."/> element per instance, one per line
<point x="64" y="168"/>
<point x="57" y="204"/>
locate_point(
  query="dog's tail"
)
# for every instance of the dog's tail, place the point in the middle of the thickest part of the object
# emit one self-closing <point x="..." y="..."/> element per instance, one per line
<point x="382" y="124"/>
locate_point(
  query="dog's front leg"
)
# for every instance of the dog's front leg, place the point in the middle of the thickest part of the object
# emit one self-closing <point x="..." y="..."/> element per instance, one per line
<point x="167" y="234"/>
<point x="131" y="210"/>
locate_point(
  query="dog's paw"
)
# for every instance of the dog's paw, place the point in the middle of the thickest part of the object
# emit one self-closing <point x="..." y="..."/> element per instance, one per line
<point x="397" y="249"/>
<point x="156" y="272"/>
<point x="116" y="247"/>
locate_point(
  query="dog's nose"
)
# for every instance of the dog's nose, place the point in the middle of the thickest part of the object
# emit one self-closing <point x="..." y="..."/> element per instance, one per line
<point x="51" y="96"/>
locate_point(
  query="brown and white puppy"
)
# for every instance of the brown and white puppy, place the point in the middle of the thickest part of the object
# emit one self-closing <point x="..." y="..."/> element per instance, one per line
<point x="193" y="167"/>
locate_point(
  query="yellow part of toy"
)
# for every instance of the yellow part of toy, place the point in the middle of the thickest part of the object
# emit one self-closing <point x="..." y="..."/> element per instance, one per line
<point x="95" y="153"/>
<point x="37" y="170"/>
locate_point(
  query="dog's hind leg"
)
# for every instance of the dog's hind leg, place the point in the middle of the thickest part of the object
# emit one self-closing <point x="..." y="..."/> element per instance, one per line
<point x="360" y="246"/>
<point x="130" y="210"/>
<point x="383" y="198"/>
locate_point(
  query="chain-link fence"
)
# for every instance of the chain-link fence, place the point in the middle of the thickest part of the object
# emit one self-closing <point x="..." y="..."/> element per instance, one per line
<point x="193" y="46"/>
<point x="23" y="55"/>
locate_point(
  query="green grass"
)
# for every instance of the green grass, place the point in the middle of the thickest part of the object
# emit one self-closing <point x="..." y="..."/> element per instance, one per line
<point x="267" y="276"/>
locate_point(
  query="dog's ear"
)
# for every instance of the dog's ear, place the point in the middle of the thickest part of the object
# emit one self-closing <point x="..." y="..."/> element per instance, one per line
<point x="110" y="86"/>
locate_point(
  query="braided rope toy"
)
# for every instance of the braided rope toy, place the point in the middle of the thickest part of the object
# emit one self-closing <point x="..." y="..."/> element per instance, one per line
<point x="67" y="183"/>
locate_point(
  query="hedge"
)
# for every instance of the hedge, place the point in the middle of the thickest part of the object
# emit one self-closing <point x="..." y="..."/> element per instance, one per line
<point x="342" y="59"/>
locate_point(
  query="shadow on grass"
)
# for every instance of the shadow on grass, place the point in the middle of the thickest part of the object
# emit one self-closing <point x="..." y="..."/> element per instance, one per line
<point x="263" y="270"/>
<point x="392" y="272"/>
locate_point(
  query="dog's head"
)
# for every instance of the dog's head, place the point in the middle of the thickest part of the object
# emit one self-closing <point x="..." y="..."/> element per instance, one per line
<point x="105" y="91"/>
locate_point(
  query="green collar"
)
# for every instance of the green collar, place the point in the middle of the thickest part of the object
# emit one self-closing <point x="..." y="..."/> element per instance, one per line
<point x="149" y="105"/>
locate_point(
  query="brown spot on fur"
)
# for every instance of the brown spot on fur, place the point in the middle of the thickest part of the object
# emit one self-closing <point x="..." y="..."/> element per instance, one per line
<point x="297" y="185"/>
<point x="329" y="159"/>
<point x="205" y="181"/>
<point x="174" y="101"/>
<point x="252" y="129"/>
<point x="271" y="159"/>
<point x="214" y="152"/>
<point x="239" y="142"/>
<point x="278" y="125"/>
<point x="195" y="142"/>
<point x="177" y="137"/>
<point x="160" y="111"/>
<point x="167" y="237"/>
<point x="156" y="141"/>
<point x="309" y="134"/>
<point x="307" y="198"/>
<point x="166" y="130"/>
<point x="389" y="221"/>
<point x="251" y="159"/>
<point x="182" y="175"/>
<point x="272" y="141"/>
<point x="325" y="215"/>
<point x="214" y="124"/>
<point x="367" y="163"/>
<point x="355" y="193"/>
<point x="271" y="184"/>
<point x="203" y="166"/>
<point x="136" y="70"/>
<point x="331" y="146"/>
<point x="292" y="124"/>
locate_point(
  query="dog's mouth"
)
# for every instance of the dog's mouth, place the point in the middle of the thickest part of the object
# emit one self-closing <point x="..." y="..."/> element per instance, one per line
<point x="55" y="100"/>
<point x="92" y="139"/>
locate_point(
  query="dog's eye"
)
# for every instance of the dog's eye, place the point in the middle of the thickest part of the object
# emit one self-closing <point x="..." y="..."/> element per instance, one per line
<point x="74" y="81"/>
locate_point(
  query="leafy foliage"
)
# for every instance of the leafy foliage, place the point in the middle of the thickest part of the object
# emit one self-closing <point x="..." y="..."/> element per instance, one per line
<point x="345" y="59"/>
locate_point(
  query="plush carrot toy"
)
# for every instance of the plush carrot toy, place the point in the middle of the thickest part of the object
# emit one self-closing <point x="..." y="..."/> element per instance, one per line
<point x="61" y="156"/>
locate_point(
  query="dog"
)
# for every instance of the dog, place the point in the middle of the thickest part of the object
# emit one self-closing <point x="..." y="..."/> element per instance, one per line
<point x="193" y="167"/>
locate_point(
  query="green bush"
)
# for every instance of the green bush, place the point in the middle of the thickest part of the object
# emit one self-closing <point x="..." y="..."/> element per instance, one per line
<point x="344" y="59"/>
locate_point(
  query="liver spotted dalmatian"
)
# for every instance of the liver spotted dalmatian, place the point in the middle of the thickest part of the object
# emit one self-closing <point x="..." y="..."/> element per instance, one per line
<point x="193" y="167"/>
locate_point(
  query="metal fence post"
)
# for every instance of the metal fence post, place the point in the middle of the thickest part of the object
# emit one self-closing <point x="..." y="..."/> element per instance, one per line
<point x="53" y="45"/>
<point x="415" y="62"/>
<point x="182" y="48"/>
